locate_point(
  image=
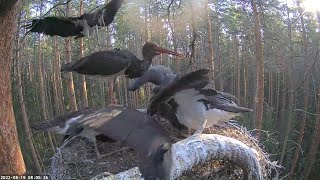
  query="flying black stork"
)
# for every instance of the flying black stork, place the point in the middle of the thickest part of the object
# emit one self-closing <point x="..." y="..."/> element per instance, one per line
<point x="112" y="63"/>
<point x="197" y="107"/>
<point x="76" y="26"/>
<point x="135" y="129"/>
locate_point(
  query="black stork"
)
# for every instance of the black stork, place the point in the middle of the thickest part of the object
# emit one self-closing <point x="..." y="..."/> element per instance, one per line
<point x="197" y="107"/>
<point x="112" y="63"/>
<point x="67" y="125"/>
<point x="135" y="129"/>
<point x="76" y="26"/>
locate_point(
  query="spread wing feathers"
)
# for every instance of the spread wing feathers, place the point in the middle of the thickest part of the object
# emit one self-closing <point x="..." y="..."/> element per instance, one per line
<point x="136" y="129"/>
<point x="194" y="80"/>
<point x="222" y="101"/>
<point x="73" y="26"/>
<point x="105" y="15"/>
<point x="101" y="62"/>
<point x="62" y="26"/>
<point x="60" y="120"/>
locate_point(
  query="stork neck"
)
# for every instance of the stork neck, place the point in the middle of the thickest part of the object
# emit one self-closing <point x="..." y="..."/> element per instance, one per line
<point x="146" y="62"/>
<point x="148" y="57"/>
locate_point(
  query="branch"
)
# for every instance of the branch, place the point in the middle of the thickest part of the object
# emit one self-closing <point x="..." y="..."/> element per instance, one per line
<point x="194" y="36"/>
<point x="205" y="147"/>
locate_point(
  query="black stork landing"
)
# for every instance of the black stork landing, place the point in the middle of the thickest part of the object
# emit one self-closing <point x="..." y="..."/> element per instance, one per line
<point x="76" y="26"/>
<point x="135" y="129"/>
<point x="110" y="64"/>
<point x="197" y="107"/>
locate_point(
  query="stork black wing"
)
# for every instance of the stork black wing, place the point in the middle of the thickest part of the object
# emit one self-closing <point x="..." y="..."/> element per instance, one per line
<point x="101" y="63"/>
<point x="61" y="119"/>
<point x="103" y="16"/>
<point x="74" y="26"/>
<point x="61" y="26"/>
<point x="167" y="111"/>
<point x="194" y="80"/>
<point x="224" y="102"/>
<point x="139" y="131"/>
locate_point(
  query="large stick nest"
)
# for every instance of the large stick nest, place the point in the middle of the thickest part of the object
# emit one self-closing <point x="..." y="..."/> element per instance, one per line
<point x="76" y="158"/>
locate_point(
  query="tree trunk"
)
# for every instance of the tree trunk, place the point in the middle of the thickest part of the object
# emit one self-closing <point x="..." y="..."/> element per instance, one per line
<point x="57" y="77"/>
<point x="11" y="160"/>
<point x="311" y="156"/>
<point x="194" y="37"/>
<point x="25" y="118"/>
<point x="71" y="93"/>
<point x="260" y="71"/>
<point x="245" y="74"/>
<point x="305" y="97"/>
<point x="211" y="53"/>
<point x="237" y="61"/>
<point x="82" y="77"/>
<point x="44" y="107"/>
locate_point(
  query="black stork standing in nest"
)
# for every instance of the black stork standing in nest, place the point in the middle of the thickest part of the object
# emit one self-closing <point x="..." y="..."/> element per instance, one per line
<point x="76" y="26"/>
<point x="196" y="107"/>
<point x="135" y="129"/>
<point x="112" y="63"/>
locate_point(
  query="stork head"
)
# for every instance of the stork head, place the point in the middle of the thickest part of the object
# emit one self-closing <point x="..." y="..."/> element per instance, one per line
<point x="151" y="49"/>
<point x="158" y="165"/>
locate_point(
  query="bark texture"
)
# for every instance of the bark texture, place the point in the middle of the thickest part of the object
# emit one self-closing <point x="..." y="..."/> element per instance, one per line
<point x="71" y="93"/>
<point x="82" y="77"/>
<point x="260" y="70"/>
<point x="11" y="160"/>
<point x="305" y="96"/>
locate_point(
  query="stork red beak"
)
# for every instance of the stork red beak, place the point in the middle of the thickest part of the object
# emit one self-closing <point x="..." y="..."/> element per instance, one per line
<point x="161" y="50"/>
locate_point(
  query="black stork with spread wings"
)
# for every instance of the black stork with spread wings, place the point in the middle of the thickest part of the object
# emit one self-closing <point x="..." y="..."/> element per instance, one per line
<point x="135" y="129"/>
<point x="112" y="63"/>
<point x="76" y="26"/>
<point x="196" y="107"/>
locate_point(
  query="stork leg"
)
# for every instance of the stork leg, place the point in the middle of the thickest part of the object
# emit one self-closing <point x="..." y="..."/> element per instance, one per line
<point x="97" y="36"/>
<point x="97" y="149"/>
<point x="202" y="126"/>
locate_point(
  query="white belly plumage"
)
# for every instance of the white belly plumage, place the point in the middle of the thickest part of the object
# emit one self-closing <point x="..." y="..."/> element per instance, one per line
<point x="215" y="116"/>
<point x="191" y="112"/>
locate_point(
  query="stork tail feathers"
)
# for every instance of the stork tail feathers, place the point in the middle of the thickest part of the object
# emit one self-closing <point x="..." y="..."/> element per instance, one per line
<point x="235" y="109"/>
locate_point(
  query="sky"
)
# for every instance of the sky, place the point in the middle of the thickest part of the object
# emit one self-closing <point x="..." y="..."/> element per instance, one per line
<point x="308" y="5"/>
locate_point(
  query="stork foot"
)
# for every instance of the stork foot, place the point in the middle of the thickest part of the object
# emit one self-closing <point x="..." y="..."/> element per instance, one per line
<point x="201" y="128"/>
